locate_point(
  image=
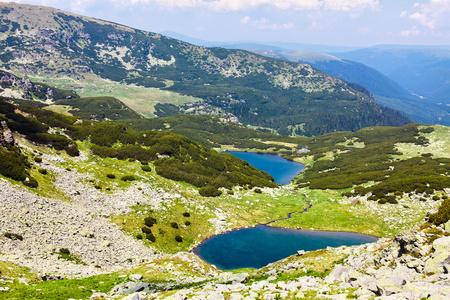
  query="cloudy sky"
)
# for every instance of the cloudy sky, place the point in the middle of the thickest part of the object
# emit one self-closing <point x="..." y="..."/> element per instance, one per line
<point x="327" y="22"/>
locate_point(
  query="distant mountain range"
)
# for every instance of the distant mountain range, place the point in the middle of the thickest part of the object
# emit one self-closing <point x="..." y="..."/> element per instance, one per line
<point x="288" y="97"/>
<point x="413" y="79"/>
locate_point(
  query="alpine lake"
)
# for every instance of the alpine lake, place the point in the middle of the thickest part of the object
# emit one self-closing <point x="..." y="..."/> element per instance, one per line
<point x="260" y="245"/>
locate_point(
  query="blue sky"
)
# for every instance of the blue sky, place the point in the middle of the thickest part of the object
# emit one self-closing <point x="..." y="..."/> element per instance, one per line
<point x="327" y="22"/>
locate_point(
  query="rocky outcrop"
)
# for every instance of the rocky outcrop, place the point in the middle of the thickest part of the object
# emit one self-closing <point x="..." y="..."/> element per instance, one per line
<point x="6" y="136"/>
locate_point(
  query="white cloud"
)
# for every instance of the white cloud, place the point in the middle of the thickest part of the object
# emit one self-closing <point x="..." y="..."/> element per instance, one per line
<point x="264" y="24"/>
<point x="245" y="20"/>
<point x="411" y="32"/>
<point x="432" y="14"/>
<point x="240" y="5"/>
<point x="403" y="14"/>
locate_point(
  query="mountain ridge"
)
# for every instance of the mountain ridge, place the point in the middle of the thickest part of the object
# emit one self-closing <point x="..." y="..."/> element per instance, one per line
<point x="256" y="90"/>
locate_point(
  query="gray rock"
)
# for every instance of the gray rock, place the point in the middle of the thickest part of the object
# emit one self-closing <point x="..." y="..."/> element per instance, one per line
<point x="234" y="278"/>
<point x="386" y="288"/>
<point x="135" y="277"/>
<point x="447" y="227"/>
<point x="337" y="274"/>
<point x="131" y="287"/>
<point x="440" y="257"/>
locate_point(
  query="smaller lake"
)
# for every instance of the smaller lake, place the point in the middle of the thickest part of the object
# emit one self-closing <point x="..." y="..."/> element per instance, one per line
<point x="258" y="246"/>
<point x="281" y="169"/>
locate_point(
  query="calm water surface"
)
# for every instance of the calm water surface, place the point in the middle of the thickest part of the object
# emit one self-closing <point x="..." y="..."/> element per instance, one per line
<point x="258" y="246"/>
<point x="282" y="170"/>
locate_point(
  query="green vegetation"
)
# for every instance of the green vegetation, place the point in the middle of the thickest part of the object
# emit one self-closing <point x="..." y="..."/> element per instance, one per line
<point x="350" y="166"/>
<point x="99" y="108"/>
<point x="13" y="236"/>
<point x="442" y="215"/>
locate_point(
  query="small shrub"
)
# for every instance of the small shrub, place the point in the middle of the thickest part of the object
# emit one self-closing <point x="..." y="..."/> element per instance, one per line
<point x="38" y="159"/>
<point x="442" y="215"/>
<point x="209" y="191"/>
<point x="13" y="236"/>
<point x="146" y="168"/>
<point x="111" y="176"/>
<point x="186" y="214"/>
<point x="258" y="191"/>
<point x="43" y="171"/>
<point x="128" y="178"/>
<point x="391" y="199"/>
<point x="230" y="192"/>
<point x="174" y="225"/>
<point x="144" y="163"/>
<point x="187" y="223"/>
<point x="98" y="187"/>
<point x="150" y="237"/>
<point x="398" y="193"/>
<point x="435" y="198"/>
<point x="382" y="201"/>
<point x="131" y="160"/>
<point x="139" y="236"/>
<point x="68" y="169"/>
<point x="146" y="230"/>
<point x="161" y="232"/>
<point x="422" y="199"/>
<point x="64" y="251"/>
<point x="179" y="239"/>
<point x="149" y="221"/>
<point x="427" y="154"/>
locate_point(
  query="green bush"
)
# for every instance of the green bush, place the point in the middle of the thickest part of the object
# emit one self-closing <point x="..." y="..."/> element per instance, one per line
<point x="382" y="201"/>
<point x="128" y="178"/>
<point x="187" y="223"/>
<point x="43" y="171"/>
<point x="150" y="237"/>
<point x="146" y="168"/>
<point x="209" y="191"/>
<point x="435" y="198"/>
<point x="111" y="176"/>
<point x="174" y="225"/>
<point x="146" y="230"/>
<point x="64" y="251"/>
<point x="98" y="187"/>
<point x="139" y="236"/>
<point x="178" y="238"/>
<point x="149" y="221"/>
<point x="258" y="191"/>
<point x="186" y="214"/>
<point x="38" y="159"/>
<point x="442" y="215"/>
<point x="13" y="236"/>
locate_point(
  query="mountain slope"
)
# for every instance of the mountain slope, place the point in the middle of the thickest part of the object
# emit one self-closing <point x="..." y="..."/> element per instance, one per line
<point x="385" y="90"/>
<point x="257" y="90"/>
<point x="424" y="71"/>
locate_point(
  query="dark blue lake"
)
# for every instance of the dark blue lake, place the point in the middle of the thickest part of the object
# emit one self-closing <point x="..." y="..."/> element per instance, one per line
<point x="258" y="246"/>
<point x="281" y="169"/>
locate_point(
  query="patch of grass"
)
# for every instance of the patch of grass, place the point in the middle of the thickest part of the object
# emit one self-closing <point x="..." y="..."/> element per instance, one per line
<point x="62" y="289"/>
<point x="65" y="254"/>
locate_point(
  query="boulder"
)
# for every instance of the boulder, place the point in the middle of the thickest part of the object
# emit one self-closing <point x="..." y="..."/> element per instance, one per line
<point x="233" y="278"/>
<point x="385" y="288"/>
<point x="337" y="274"/>
<point x="440" y="257"/>
<point x="131" y="287"/>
